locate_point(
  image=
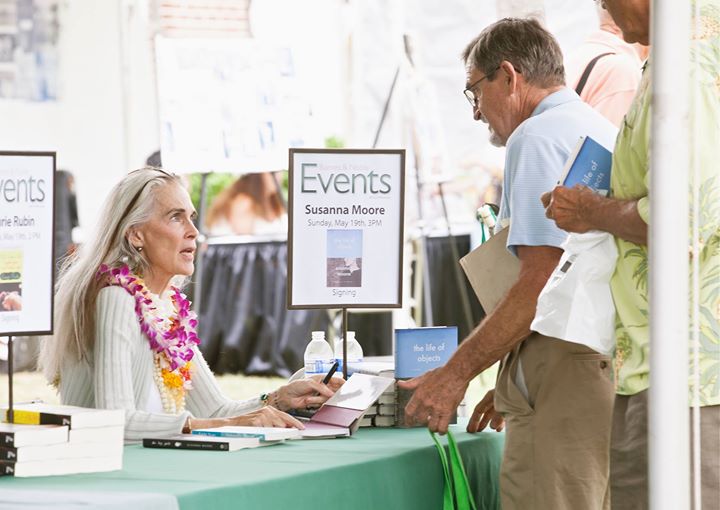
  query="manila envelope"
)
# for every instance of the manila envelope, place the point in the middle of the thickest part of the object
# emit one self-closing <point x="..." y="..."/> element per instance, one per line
<point x="491" y="269"/>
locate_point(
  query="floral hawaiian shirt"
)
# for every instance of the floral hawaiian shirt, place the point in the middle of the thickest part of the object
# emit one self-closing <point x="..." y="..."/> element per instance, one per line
<point x="630" y="181"/>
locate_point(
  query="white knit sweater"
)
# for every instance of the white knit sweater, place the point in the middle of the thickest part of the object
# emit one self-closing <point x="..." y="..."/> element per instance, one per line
<point x="120" y="375"/>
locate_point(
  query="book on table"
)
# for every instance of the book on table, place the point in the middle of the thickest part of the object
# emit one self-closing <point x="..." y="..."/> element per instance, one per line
<point x="381" y="366"/>
<point x="60" y="466"/>
<point x="60" y="451"/>
<point x="264" y="434"/>
<point x="342" y="413"/>
<point x="15" y="435"/>
<point x="417" y="351"/>
<point x="202" y="442"/>
<point x="589" y="164"/>
<point x="39" y="413"/>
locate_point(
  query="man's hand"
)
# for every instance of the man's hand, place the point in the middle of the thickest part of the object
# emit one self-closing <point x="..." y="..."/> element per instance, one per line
<point x="579" y="210"/>
<point x="485" y="413"/>
<point x="568" y="207"/>
<point x="436" y="397"/>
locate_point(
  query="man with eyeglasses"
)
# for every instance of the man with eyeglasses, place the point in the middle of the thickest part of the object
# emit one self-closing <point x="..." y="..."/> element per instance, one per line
<point x="555" y="396"/>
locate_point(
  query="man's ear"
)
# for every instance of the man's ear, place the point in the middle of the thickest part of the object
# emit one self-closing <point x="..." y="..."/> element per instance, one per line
<point x="509" y="74"/>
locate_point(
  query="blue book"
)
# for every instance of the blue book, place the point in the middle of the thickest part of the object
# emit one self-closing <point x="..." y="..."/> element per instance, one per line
<point x="589" y="165"/>
<point x="419" y="350"/>
<point x="262" y="433"/>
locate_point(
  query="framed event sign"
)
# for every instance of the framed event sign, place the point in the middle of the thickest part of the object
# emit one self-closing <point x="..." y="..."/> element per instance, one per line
<point x="27" y="226"/>
<point x="345" y="238"/>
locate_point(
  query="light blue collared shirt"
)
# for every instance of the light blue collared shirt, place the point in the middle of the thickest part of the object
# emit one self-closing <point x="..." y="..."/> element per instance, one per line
<point x="536" y="154"/>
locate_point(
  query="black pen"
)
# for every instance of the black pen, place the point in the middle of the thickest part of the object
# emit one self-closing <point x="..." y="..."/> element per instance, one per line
<point x="329" y="375"/>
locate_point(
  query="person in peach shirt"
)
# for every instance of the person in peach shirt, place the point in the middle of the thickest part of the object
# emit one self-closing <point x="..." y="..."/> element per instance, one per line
<point x="614" y="77"/>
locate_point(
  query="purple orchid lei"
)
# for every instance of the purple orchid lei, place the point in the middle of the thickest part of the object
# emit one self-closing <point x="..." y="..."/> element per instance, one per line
<point x="174" y="342"/>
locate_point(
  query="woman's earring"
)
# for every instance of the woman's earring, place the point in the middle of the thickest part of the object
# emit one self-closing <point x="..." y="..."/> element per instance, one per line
<point x="139" y="248"/>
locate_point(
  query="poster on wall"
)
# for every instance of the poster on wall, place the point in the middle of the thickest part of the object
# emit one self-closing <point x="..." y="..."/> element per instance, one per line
<point x="27" y="224"/>
<point x="230" y="105"/>
<point x="29" y="34"/>
<point x="345" y="234"/>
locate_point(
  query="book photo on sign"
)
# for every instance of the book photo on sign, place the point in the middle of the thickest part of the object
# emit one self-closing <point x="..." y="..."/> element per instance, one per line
<point x="344" y="258"/>
<point x="589" y="164"/>
<point x="11" y="270"/>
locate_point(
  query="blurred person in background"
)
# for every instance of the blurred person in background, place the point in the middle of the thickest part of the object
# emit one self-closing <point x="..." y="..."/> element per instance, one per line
<point x="605" y="70"/>
<point x="249" y="206"/>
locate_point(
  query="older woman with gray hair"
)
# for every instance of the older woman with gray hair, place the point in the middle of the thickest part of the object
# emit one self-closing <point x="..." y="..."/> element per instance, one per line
<point x="125" y="335"/>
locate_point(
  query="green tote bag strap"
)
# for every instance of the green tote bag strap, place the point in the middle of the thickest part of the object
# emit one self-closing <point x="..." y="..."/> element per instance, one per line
<point x="456" y="494"/>
<point x="448" y="503"/>
<point x="463" y="496"/>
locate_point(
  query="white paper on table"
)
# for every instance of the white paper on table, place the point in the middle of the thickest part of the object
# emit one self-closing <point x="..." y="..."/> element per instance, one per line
<point x="360" y="391"/>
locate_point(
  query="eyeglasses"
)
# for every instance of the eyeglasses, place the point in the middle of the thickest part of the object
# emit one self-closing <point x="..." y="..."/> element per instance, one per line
<point x="470" y="91"/>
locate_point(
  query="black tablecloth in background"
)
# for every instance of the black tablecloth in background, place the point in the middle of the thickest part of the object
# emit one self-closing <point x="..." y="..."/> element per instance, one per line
<point x="245" y="326"/>
<point x="446" y="301"/>
<point x="243" y="322"/>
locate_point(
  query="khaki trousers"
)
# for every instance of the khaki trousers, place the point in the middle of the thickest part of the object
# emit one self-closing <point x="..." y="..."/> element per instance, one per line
<point x="558" y="438"/>
<point x="629" y="454"/>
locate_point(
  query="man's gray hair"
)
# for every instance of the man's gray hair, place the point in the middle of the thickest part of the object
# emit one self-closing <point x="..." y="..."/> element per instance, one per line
<point x="530" y="48"/>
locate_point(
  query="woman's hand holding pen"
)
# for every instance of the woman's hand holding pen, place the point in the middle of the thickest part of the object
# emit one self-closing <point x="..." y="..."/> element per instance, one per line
<point x="306" y="393"/>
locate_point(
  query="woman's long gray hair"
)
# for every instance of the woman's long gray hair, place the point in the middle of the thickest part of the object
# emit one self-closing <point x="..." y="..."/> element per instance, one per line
<point x="129" y="205"/>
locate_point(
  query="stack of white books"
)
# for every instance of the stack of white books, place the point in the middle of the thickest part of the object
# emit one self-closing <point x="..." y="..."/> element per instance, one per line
<point x="49" y="440"/>
<point x="382" y="413"/>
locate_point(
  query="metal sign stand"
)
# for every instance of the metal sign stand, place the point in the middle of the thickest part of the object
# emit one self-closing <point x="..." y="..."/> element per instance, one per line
<point x="10" y="414"/>
<point x="344" y="343"/>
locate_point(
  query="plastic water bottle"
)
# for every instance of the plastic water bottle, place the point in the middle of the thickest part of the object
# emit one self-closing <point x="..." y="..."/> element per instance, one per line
<point x="318" y="355"/>
<point x="354" y="350"/>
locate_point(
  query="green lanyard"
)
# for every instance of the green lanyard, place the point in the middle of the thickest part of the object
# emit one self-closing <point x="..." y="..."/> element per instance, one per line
<point x="483" y="226"/>
<point x="456" y="493"/>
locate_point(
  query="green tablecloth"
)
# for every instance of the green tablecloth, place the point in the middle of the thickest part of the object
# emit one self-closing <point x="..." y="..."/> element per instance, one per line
<point x="375" y="469"/>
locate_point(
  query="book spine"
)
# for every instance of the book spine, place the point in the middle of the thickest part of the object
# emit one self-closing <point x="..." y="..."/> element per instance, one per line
<point x="8" y="454"/>
<point x="7" y="468"/>
<point x="7" y="439"/>
<point x="402" y="397"/>
<point x="173" y="444"/>
<point x="37" y="418"/>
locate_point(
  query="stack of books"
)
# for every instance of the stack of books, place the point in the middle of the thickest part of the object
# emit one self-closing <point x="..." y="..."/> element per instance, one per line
<point x="382" y="412"/>
<point x="417" y="351"/>
<point x="47" y="440"/>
